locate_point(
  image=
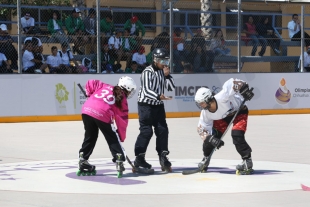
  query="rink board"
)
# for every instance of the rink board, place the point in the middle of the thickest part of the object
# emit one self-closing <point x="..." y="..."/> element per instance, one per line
<point x="52" y="97"/>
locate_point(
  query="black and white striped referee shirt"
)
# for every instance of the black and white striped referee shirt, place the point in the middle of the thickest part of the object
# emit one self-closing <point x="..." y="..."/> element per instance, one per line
<point x="153" y="84"/>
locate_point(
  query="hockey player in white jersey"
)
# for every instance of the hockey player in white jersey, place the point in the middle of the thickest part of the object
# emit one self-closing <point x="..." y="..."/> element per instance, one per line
<point x="216" y="114"/>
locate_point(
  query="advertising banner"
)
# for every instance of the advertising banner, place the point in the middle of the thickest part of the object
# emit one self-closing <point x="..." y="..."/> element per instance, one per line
<point x="52" y="94"/>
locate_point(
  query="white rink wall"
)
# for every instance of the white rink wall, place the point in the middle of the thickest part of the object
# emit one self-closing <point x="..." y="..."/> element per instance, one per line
<point x="52" y="94"/>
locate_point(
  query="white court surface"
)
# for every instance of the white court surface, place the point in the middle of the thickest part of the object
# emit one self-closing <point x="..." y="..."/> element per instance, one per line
<point x="39" y="162"/>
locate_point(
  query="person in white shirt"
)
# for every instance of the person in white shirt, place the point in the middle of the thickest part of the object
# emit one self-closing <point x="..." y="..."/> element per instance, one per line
<point x="35" y="40"/>
<point x="294" y="30"/>
<point x="66" y="56"/>
<point x="115" y="43"/>
<point x="27" y="23"/>
<point x="306" y="60"/>
<point x="217" y="112"/>
<point x="29" y="62"/>
<point x="4" y="65"/>
<point x="54" y="61"/>
<point x="140" y="58"/>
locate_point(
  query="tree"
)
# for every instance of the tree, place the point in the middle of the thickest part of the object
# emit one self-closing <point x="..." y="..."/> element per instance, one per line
<point x="206" y="18"/>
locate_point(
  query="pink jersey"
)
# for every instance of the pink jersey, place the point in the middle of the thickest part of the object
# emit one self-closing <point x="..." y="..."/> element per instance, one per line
<point x="101" y="106"/>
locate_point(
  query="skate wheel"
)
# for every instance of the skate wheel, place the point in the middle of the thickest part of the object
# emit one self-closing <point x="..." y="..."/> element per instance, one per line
<point x="237" y="172"/>
<point x="88" y="173"/>
<point x="78" y="173"/>
<point x="83" y="173"/>
<point x="94" y="172"/>
<point x="119" y="174"/>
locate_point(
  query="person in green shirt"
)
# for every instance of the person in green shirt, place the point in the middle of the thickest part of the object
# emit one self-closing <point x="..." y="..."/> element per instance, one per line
<point x="128" y="46"/>
<point x="75" y="28"/>
<point x="135" y="26"/>
<point x="133" y="68"/>
<point x="107" y="27"/>
<point x="54" y="26"/>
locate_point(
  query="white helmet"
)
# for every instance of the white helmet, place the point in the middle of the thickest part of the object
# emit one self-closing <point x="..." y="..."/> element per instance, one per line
<point x="127" y="83"/>
<point x="203" y="95"/>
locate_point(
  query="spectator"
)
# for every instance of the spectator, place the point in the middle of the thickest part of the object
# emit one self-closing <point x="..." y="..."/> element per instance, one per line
<point x="108" y="69"/>
<point x="29" y="62"/>
<point x="140" y="58"/>
<point x="265" y="30"/>
<point x="306" y="60"/>
<point x="54" y="26"/>
<point x="294" y="30"/>
<point x="198" y="59"/>
<point x="35" y="41"/>
<point x="7" y="47"/>
<point x="90" y="24"/>
<point x="133" y="68"/>
<point x="37" y="54"/>
<point x="178" y="49"/>
<point x="4" y="64"/>
<point x="54" y="62"/>
<point x="127" y="48"/>
<point x="188" y="68"/>
<point x="250" y="29"/>
<point x="107" y="59"/>
<point x="161" y="41"/>
<point x="198" y="39"/>
<point x="27" y="23"/>
<point x="218" y="44"/>
<point x="107" y="27"/>
<point x="75" y="28"/>
<point x="115" y="44"/>
<point x="135" y="26"/>
<point x="66" y="55"/>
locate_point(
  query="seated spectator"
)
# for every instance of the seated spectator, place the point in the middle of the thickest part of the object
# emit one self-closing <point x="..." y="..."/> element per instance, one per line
<point x="4" y="64"/>
<point x="108" y="69"/>
<point x="198" y="59"/>
<point x="188" y="68"/>
<point x="140" y="58"/>
<point x="127" y="48"/>
<point x="36" y="41"/>
<point x="133" y="68"/>
<point x="107" y="59"/>
<point x="54" y="62"/>
<point x="7" y="47"/>
<point x="178" y="50"/>
<point x="218" y="44"/>
<point x="29" y="62"/>
<point x="135" y="26"/>
<point x="75" y="28"/>
<point x="161" y="41"/>
<point x="306" y="60"/>
<point x="265" y="30"/>
<point x="198" y="39"/>
<point x="54" y="26"/>
<point x="107" y="27"/>
<point x="294" y="30"/>
<point x="90" y="25"/>
<point x="250" y="29"/>
<point x="37" y="54"/>
<point x="66" y="56"/>
<point x="115" y="44"/>
<point x="28" y="25"/>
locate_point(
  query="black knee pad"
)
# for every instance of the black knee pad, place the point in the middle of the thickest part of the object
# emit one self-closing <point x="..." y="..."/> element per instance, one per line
<point x="241" y="145"/>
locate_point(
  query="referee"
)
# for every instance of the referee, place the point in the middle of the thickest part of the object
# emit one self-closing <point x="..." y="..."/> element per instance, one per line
<point x="154" y="79"/>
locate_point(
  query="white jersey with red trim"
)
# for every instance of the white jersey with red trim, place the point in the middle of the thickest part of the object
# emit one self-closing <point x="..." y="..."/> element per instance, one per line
<point x="228" y="101"/>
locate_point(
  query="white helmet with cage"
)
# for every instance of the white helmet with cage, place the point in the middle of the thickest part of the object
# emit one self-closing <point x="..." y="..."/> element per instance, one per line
<point x="127" y="83"/>
<point x="203" y="95"/>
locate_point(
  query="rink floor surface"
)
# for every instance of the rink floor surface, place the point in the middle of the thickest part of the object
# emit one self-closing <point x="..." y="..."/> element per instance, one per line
<point x="38" y="164"/>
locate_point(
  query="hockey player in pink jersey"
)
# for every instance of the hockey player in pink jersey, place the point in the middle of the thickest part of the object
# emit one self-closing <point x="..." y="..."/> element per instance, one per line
<point x="216" y="114"/>
<point x="105" y="104"/>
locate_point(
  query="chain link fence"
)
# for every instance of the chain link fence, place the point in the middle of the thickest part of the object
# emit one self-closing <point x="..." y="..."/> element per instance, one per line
<point x="201" y="38"/>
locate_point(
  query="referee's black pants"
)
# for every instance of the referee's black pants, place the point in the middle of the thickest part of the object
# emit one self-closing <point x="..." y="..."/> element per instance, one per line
<point x="152" y="116"/>
<point x="92" y="126"/>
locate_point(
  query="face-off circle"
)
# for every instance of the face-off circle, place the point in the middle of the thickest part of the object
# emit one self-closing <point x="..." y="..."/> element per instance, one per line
<point x="60" y="177"/>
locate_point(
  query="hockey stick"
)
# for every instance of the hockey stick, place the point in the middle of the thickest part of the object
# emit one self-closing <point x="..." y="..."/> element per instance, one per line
<point x="189" y="172"/>
<point x="134" y="169"/>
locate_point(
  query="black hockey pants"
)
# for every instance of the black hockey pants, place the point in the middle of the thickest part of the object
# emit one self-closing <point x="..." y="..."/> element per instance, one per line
<point x="92" y="126"/>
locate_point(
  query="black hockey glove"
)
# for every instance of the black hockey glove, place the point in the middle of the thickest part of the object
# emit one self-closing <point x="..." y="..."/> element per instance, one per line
<point x="246" y="92"/>
<point x="216" y="142"/>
